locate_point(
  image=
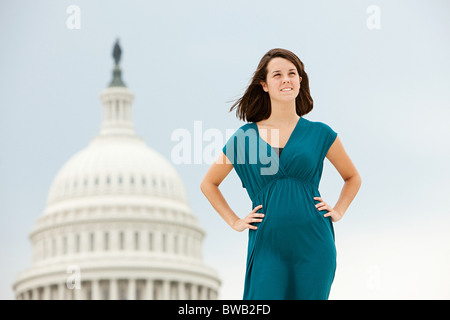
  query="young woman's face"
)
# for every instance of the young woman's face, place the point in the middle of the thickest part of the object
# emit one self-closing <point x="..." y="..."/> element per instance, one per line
<point x="282" y="80"/>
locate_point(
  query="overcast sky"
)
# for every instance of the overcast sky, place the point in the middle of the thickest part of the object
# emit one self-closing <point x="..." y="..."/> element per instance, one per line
<point x="379" y="76"/>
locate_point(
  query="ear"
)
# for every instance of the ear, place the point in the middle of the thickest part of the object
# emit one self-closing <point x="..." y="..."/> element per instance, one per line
<point x="300" y="79"/>
<point x="264" y="86"/>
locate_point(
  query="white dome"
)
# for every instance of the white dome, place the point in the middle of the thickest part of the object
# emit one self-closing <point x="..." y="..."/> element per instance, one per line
<point x="116" y="166"/>
<point x="117" y="210"/>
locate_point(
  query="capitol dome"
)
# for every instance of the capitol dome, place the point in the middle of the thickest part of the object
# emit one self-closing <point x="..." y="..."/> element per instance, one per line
<point x="116" y="165"/>
<point x="117" y="223"/>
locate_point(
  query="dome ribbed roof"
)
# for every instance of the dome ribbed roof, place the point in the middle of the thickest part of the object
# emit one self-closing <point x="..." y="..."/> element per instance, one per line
<point x="116" y="165"/>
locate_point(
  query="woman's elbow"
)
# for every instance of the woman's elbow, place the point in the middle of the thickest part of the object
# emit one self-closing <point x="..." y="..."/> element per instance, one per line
<point x="204" y="186"/>
<point x="356" y="179"/>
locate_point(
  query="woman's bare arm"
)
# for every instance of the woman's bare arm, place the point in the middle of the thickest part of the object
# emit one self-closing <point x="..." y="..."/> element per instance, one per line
<point x="344" y="165"/>
<point x="218" y="171"/>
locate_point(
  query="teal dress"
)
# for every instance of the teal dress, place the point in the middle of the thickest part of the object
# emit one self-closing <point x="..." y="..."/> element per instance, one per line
<point x="292" y="254"/>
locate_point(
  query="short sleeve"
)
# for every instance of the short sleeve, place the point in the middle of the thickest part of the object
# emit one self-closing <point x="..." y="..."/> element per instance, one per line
<point x="229" y="150"/>
<point x="329" y="136"/>
<point x="234" y="151"/>
<point x="236" y="147"/>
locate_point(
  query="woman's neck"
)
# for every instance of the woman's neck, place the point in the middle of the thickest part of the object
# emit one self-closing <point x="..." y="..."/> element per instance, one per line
<point x="282" y="114"/>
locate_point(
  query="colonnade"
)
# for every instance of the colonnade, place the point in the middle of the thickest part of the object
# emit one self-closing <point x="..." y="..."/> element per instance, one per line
<point x="121" y="289"/>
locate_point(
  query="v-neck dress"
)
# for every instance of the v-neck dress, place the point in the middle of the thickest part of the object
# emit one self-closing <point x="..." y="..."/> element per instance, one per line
<point x="292" y="253"/>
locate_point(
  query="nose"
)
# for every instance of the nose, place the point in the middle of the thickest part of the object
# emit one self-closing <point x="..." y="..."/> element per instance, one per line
<point x="286" y="80"/>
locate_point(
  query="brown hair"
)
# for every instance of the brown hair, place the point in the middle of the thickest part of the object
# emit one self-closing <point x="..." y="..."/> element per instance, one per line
<point x="255" y="106"/>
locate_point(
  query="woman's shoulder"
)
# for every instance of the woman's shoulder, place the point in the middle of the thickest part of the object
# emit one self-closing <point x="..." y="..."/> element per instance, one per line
<point x="319" y="125"/>
<point x="245" y="129"/>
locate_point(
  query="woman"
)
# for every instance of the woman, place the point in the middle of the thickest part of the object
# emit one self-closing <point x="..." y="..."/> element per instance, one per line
<point x="278" y="155"/>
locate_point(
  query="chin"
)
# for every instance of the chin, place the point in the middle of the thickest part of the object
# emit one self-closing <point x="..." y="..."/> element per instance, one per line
<point x="287" y="99"/>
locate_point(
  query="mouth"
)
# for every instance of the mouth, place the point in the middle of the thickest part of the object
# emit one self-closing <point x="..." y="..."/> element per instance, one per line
<point x="286" y="89"/>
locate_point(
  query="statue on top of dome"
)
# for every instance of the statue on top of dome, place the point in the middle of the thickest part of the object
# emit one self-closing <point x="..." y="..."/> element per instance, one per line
<point x="117" y="73"/>
<point x="117" y="52"/>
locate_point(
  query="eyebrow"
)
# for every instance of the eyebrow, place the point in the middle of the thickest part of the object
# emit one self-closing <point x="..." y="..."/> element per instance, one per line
<point x="280" y="70"/>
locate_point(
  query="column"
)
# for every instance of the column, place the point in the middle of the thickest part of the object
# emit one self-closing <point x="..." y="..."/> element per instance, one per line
<point x="201" y="294"/>
<point x="131" y="289"/>
<point x="61" y="288"/>
<point x="214" y="294"/>
<point x="36" y="294"/>
<point x="106" y="110"/>
<point x="77" y="293"/>
<point x="165" y="290"/>
<point x="110" y="110"/>
<point x="120" y="111"/>
<point x="113" y="289"/>
<point x="149" y="290"/>
<point x="128" y="111"/>
<point x="181" y="290"/>
<point x="95" y="289"/>
<point x="115" y="110"/>
<point x="46" y="292"/>
<point x="194" y="291"/>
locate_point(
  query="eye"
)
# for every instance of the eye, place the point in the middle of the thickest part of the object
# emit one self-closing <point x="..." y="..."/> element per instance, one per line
<point x="276" y="75"/>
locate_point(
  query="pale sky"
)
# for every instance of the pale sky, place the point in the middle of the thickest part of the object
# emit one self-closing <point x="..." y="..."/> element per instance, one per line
<point x="384" y="91"/>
